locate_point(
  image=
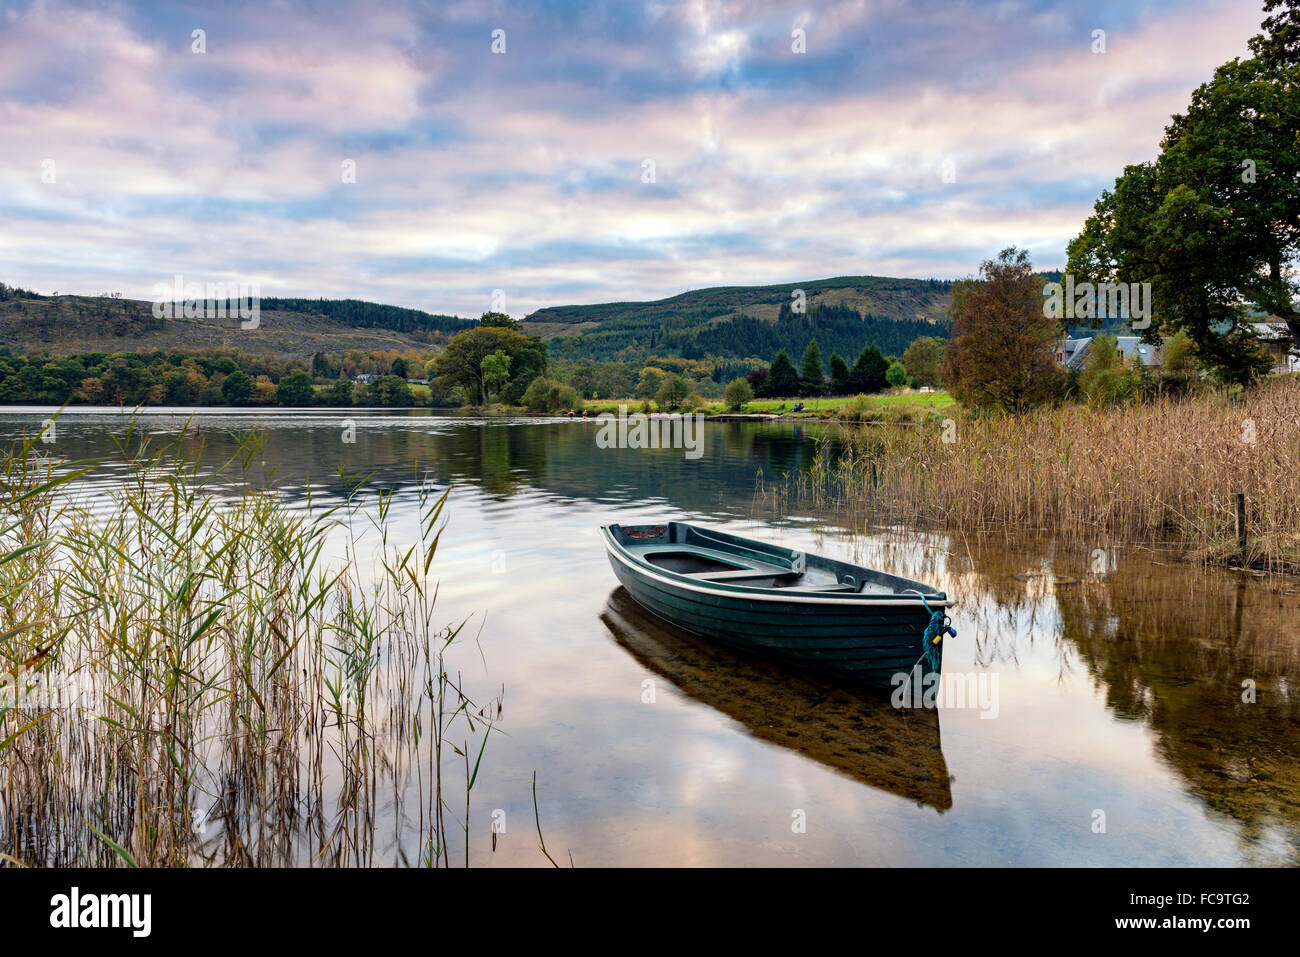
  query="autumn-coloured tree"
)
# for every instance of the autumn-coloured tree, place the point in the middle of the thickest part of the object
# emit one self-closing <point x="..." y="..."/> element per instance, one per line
<point x="1002" y="351"/>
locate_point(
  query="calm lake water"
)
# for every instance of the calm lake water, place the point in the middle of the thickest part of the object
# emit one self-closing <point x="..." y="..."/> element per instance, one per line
<point x="1113" y="731"/>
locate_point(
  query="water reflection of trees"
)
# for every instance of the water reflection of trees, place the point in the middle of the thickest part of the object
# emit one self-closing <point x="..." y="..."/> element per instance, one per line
<point x="561" y="458"/>
<point x="499" y="457"/>
<point x="1173" y="644"/>
<point x="1170" y="643"/>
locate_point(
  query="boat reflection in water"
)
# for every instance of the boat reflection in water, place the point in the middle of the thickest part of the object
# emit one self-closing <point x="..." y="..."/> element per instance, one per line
<point x="854" y="731"/>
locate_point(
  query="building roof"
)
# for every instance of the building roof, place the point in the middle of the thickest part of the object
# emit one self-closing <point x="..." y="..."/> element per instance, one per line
<point x="1273" y="330"/>
<point x="1072" y="351"/>
<point x="1134" y="348"/>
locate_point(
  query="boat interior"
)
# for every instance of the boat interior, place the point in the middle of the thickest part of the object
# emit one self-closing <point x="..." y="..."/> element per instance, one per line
<point x="715" y="557"/>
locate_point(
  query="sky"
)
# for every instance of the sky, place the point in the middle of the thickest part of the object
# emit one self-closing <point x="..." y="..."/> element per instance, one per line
<point x="410" y="153"/>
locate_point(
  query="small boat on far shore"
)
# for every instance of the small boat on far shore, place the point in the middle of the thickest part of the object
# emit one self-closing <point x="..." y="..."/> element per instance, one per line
<point x="812" y="611"/>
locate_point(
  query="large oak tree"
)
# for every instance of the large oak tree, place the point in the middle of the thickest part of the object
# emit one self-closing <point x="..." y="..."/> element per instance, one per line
<point x="462" y="361"/>
<point x="1213" y="223"/>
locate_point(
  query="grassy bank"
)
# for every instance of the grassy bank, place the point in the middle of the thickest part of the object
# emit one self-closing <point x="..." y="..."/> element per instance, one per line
<point x="906" y="404"/>
<point x="187" y="679"/>
<point x="1166" y="470"/>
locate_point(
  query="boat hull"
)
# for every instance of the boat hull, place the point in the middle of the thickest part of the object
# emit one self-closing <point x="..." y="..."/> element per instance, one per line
<point x="867" y="642"/>
<point x="849" y="729"/>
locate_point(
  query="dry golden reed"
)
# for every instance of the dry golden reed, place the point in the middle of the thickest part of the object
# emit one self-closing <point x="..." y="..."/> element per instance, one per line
<point x="1165" y="470"/>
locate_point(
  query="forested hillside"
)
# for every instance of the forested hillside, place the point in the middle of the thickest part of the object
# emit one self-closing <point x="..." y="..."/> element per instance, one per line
<point x="733" y="328"/>
<point x="298" y="328"/>
<point x="359" y="314"/>
<point x="751" y="321"/>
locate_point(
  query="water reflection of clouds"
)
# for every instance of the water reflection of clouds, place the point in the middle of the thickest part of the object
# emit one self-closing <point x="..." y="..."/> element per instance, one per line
<point x="1119" y="691"/>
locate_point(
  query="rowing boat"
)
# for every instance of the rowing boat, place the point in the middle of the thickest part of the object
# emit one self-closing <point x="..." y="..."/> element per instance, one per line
<point x="812" y="611"/>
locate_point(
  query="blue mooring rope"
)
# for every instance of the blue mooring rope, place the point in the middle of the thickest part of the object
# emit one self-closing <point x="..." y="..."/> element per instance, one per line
<point x="939" y="624"/>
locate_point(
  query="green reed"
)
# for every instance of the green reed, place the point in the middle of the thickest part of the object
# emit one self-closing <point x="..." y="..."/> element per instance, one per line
<point x="192" y="677"/>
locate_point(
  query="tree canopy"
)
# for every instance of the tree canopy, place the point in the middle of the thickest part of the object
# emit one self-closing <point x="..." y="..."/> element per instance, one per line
<point x="462" y="361"/>
<point x="923" y="359"/>
<point x="496" y="370"/>
<point x="295" y="389"/>
<point x="1213" y="223"/>
<point x="896" y="375"/>
<point x="811" y="374"/>
<point x="782" y="379"/>
<point x="237" y="388"/>
<point x="868" y="372"/>
<point x="673" y="393"/>
<point x="737" y="393"/>
<point x="839" y="375"/>
<point x="1001" y="354"/>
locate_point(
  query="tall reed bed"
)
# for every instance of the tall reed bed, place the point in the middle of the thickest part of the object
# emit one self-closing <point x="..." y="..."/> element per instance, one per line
<point x="190" y="679"/>
<point x="1160" y="471"/>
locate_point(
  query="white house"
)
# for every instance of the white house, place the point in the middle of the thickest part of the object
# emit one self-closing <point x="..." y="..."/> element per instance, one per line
<point x="1276" y="336"/>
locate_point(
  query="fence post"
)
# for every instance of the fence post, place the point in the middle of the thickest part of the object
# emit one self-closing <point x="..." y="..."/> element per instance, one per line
<point x="1241" y="523"/>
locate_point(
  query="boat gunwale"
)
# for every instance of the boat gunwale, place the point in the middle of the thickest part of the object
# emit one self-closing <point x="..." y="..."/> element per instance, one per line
<point x="935" y="599"/>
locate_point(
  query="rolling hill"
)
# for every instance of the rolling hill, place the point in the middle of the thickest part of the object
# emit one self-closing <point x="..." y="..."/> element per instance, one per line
<point x="735" y="322"/>
<point x="290" y="328"/>
<point x="751" y="321"/>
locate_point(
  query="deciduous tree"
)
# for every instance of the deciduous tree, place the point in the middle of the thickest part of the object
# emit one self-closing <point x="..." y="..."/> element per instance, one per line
<point x="462" y="361"/>
<point x="237" y="388"/>
<point x="923" y="359"/>
<point x="1002" y="351"/>
<point x="673" y="393"/>
<point x="1213" y="223"/>
<point x="737" y="394"/>
<point x="295" y="389"/>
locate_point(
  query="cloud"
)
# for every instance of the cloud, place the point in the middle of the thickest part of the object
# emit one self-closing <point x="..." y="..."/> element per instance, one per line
<point x="525" y="170"/>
